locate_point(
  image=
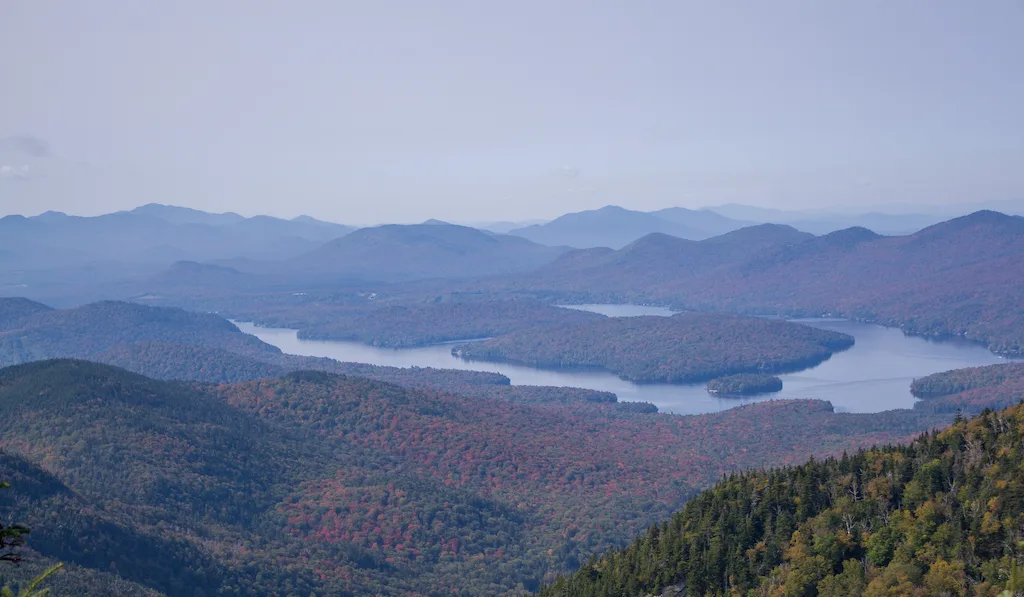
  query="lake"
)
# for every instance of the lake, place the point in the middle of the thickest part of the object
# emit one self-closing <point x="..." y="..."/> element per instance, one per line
<point x="873" y="376"/>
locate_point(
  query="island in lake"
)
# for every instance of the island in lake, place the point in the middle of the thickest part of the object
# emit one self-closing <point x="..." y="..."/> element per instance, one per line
<point x="745" y="384"/>
<point x="688" y="347"/>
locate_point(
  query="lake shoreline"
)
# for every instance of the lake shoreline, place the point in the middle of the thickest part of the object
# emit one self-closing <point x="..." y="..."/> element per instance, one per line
<point x="872" y="376"/>
<point x="795" y="366"/>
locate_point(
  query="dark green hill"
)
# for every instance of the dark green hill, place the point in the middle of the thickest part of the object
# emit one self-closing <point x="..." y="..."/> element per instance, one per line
<point x="145" y="442"/>
<point x="104" y="551"/>
<point x="163" y="360"/>
<point x="941" y="516"/>
<point x="163" y="483"/>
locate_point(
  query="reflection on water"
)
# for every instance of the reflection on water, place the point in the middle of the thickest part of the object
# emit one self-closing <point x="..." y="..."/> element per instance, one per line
<point x="872" y="376"/>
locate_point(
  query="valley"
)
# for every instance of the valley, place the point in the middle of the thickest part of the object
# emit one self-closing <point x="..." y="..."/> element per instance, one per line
<point x="512" y="299"/>
<point x="402" y="419"/>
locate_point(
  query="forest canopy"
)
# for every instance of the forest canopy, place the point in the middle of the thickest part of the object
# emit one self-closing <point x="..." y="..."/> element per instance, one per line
<point x="685" y="348"/>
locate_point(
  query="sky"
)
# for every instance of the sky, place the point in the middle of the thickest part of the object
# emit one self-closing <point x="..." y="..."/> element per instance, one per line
<point x="400" y="110"/>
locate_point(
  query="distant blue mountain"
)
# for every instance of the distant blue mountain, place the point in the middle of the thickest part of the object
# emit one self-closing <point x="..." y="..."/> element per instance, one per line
<point x="430" y="250"/>
<point x="154" y="234"/>
<point x="616" y="227"/>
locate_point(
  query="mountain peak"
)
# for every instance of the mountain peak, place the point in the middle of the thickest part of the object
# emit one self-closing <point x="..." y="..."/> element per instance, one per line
<point x="987" y="216"/>
<point x="850" y="236"/>
<point x="763" y="233"/>
<point x="613" y="209"/>
<point x="657" y="239"/>
<point x="185" y="215"/>
<point x="15" y="309"/>
<point x="413" y="251"/>
<point x="610" y="226"/>
<point x="980" y="220"/>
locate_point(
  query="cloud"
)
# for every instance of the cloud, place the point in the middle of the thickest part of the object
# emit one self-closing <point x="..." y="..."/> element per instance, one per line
<point x="15" y="172"/>
<point x="27" y="144"/>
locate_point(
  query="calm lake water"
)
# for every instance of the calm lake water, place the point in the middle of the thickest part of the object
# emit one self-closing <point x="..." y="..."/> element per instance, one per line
<point x="872" y="376"/>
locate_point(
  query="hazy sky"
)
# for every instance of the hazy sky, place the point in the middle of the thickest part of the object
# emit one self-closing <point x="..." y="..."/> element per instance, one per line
<point x="378" y="110"/>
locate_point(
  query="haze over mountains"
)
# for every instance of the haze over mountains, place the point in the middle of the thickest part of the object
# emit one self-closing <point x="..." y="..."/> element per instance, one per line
<point x="429" y="250"/>
<point x="355" y="479"/>
<point x="590" y="299"/>
<point x="154" y="234"/>
<point x="615" y="227"/>
<point x="765" y="268"/>
<point x="965" y="273"/>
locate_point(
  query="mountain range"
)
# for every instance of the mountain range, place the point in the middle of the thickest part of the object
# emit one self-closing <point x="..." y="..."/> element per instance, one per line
<point x="153" y="235"/>
<point x="956" y="278"/>
<point x="375" y="255"/>
<point x="615" y="227"/>
<point x="823" y="222"/>
<point x="430" y="250"/>
<point x="66" y="259"/>
<point x="247" y="471"/>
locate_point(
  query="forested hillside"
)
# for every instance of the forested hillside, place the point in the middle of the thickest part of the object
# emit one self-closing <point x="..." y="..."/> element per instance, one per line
<point x="744" y="384"/>
<point x="92" y="329"/>
<point x="321" y="484"/>
<point x="402" y="326"/>
<point x="971" y="389"/>
<point x="36" y="495"/>
<point x="686" y="347"/>
<point x="943" y="515"/>
<point x="962" y="278"/>
<point x="13" y="310"/>
<point x="964" y="380"/>
<point x="170" y="343"/>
